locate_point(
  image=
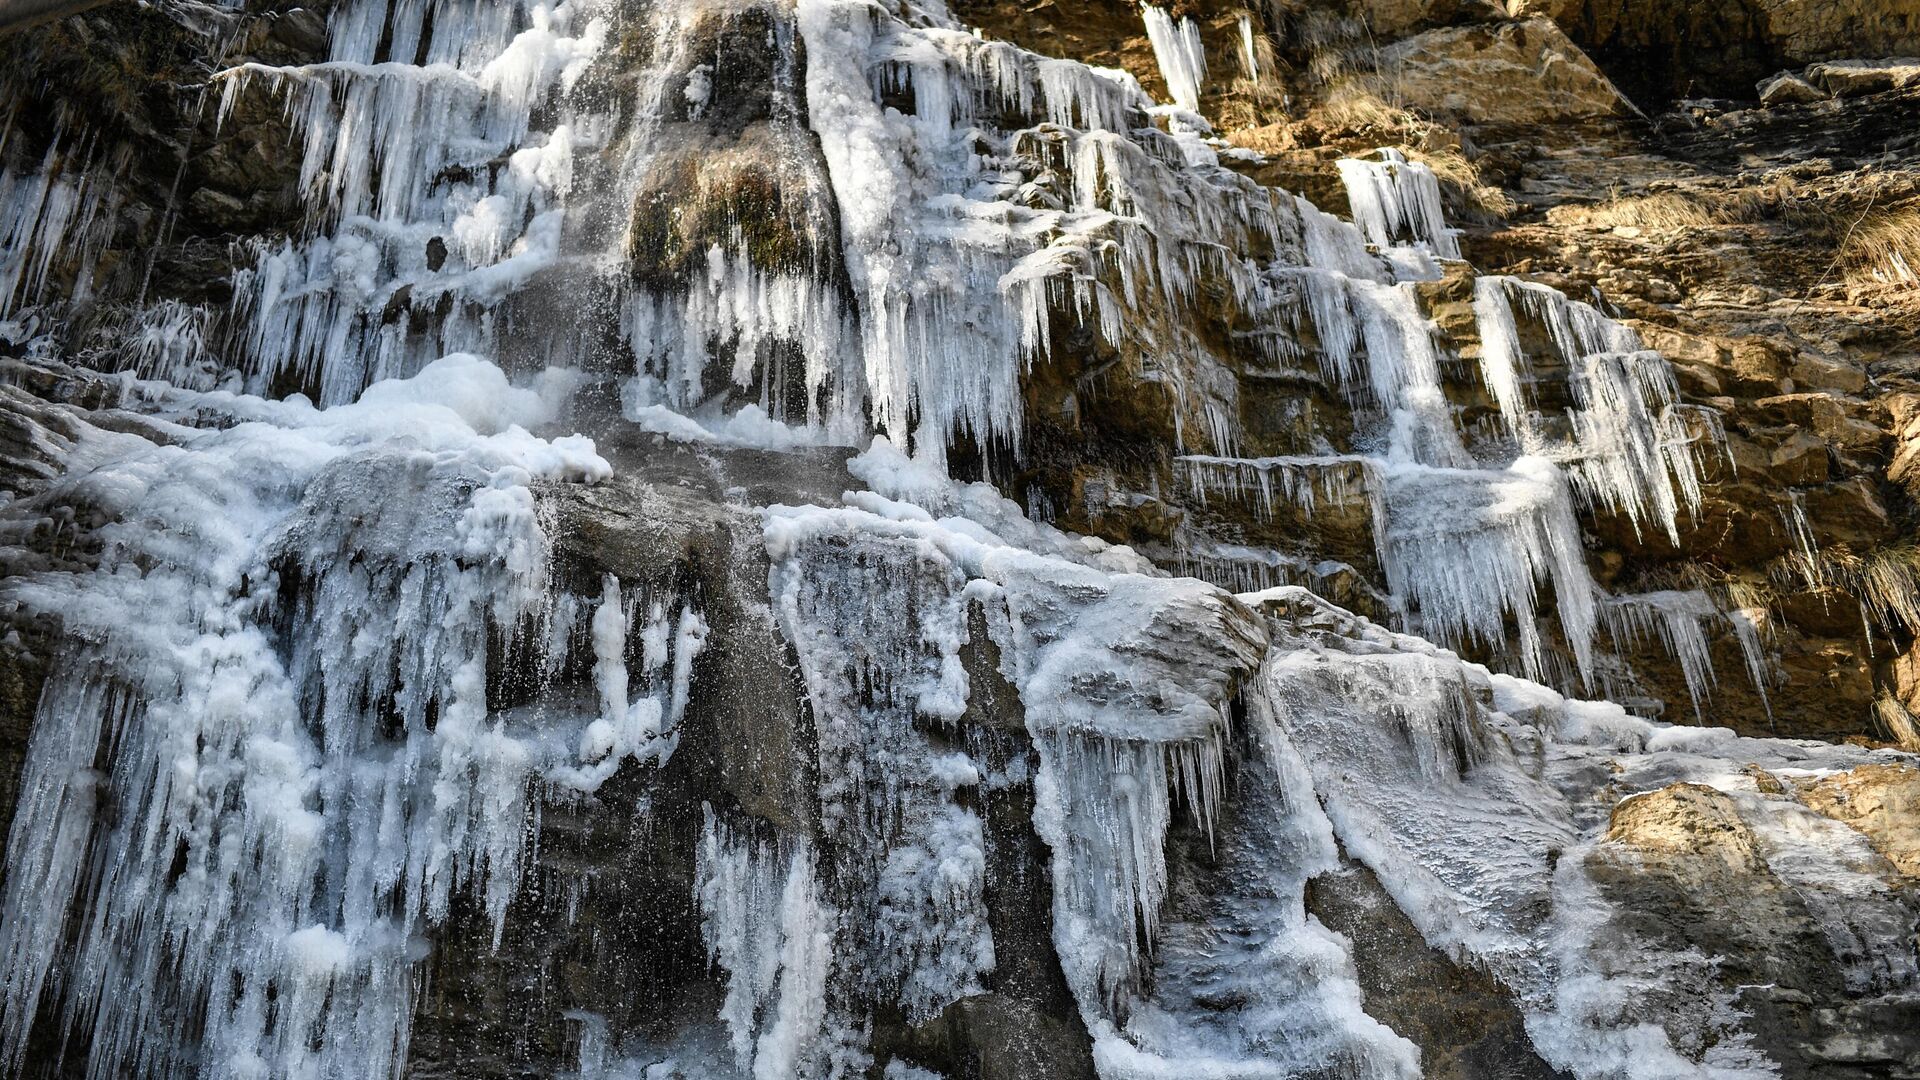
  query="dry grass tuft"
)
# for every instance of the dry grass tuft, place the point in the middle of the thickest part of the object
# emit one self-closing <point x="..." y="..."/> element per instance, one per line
<point x="1779" y="200"/>
<point x="1884" y="248"/>
<point x="1899" y="724"/>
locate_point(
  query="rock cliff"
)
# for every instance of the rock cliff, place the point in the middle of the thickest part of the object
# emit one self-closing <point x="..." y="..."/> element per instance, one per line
<point x="1006" y="540"/>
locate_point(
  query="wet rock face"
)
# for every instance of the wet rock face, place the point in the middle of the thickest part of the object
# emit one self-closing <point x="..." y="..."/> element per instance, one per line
<point x="1694" y="874"/>
<point x="1463" y="1019"/>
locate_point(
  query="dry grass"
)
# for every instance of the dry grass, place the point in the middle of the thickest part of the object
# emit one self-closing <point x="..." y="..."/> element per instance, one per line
<point x="1358" y="103"/>
<point x="1779" y="200"/>
<point x="1899" y="724"/>
<point x="1883" y="248"/>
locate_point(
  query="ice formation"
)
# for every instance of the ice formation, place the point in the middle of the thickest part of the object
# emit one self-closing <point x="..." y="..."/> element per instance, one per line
<point x="1180" y="53"/>
<point x="247" y="813"/>
<point x="1396" y="201"/>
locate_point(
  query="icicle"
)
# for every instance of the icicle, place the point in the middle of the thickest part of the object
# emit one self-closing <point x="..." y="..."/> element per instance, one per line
<point x="1631" y="450"/>
<point x="1394" y="198"/>
<point x="1182" y="57"/>
<point x="293" y="811"/>
<point x="764" y="924"/>
<point x="1679" y="620"/>
<point x="1468" y="549"/>
<point x="1249" y="56"/>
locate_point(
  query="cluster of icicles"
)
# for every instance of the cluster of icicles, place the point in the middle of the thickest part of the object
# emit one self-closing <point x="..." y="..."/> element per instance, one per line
<point x="322" y="851"/>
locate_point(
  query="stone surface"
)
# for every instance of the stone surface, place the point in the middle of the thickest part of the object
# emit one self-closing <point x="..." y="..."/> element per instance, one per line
<point x="1523" y="72"/>
<point x="1882" y="801"/>
<point x="1690" y="871"/>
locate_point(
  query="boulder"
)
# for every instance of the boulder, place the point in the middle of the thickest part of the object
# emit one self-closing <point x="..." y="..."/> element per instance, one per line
<point x="1854" y="78"/>
<point x="1523" y="72"/>
<point x="1787" y="88"/>
<point x="1882" y="801"/>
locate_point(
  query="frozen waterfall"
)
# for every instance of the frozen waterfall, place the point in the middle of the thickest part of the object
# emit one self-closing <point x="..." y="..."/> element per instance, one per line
<point x="627" y="356"/>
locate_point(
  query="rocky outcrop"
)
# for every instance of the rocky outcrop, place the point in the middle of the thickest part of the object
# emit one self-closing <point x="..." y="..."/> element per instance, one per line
<point x="1719" y="49"/>
<point x="1481" y="877"/>
<point x="1882" y="801"/>
<point x="1694" y="873"/>
<point x="1523" y="72"/>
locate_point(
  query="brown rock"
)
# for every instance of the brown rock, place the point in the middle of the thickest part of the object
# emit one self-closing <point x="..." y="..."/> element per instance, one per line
<point x="1812" y="372"/>
<point x="1515" y="72"/>
<point x="1849" y="512"/>
<point x="1690" y="820"/>
<point x="1826" y="612"/>
<point x="1853" y="78"/>
<point x="1787" y="88"/>
<point x="1882" y="801"/>
<point x="1845" y="422"/>
<point x="1800" y="460"/>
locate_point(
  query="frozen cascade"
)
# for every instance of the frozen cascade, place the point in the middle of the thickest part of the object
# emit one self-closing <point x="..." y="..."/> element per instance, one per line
<point x="1483" y="787"/>
<point x="1680" y="621"/>
<point x="1297" y="481"/>
<point x="304" y="773"/>
<point x="1471" y="548"/>
<point x="764" y="925"/>
<point x="1397" y="201"/>
<point x="1297" y="1002"/>
<point x="1181" y="55"/>
<point x="1249" y="54"/>
<point x="399" y="162"/>
<point x="1631" y="449"/>
<point x="61" y="210"/>
<point x="309" y="866"/>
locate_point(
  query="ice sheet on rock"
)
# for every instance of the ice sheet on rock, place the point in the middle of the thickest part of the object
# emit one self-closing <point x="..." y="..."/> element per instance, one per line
<point x="294" y="808"/>
<point x="1256" y="987"/>
<point x="1396" y="201"/>
<point x="1094" y="656"/>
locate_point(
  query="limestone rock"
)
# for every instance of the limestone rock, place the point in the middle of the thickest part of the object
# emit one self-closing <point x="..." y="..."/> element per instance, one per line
<point x="1787" y="88"/>
<point x="1512" y="72"/>
<point x="1853" y="78"/>
<point x="1882" y="801"/>
<point x="1685" y="820"/>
